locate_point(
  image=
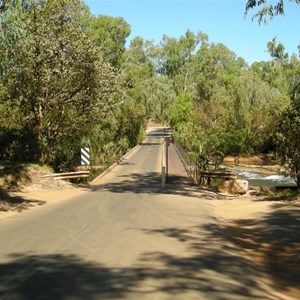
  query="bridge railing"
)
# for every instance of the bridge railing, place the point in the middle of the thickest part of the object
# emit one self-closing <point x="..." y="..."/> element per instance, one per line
<point x="201" y="176"/>
<point x="188" y="163"/>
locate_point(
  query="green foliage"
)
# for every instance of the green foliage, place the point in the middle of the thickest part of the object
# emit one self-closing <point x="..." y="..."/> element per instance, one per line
<point x="277" y="50"/>
<point x="109" y="34"/>
<point x="56" y="78"/>
<point x="160" y="97"/>
<point x="288" y="142"/>
<point x="227" y="107"/>
<point x="180" y="111"/>
<point x="293" y="75"/>
<point x="147" y="96"/>
<point x="266" y="9"/>
<point x="67" y="80"/>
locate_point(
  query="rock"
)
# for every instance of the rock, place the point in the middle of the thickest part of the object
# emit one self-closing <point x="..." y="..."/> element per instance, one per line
<point x="237" y="187"/>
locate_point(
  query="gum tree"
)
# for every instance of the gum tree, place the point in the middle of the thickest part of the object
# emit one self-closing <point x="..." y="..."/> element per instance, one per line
<point x="288" y="142"/>
<point x="266" y="9"/>
<point x="56" y="77"/>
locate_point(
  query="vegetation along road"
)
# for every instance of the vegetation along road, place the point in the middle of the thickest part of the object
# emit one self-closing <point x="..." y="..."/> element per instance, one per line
<point x="127" y="238"/>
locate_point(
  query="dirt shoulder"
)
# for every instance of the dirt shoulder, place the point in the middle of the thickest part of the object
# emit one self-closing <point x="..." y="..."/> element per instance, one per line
<point x="23" y="187"/>
<point x="266" y="233"/>
<point x="19" y="201"/>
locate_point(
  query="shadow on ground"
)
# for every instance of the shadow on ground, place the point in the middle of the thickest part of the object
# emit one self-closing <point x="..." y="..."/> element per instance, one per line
<point x="214" y="275"/>
<point x="9" y="202"/>
<point x="222" y="261"/>
<point x="245" y="258"/>
<point x="150" y="183"/>
<point x="61" y="277"/>
<point x="272" y="242"/>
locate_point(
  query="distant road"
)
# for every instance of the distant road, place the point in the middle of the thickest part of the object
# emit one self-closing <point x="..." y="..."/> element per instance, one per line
<point x="125" y="238"/>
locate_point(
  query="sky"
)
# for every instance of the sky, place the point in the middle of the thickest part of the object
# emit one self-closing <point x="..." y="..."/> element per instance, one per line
<point x="222" y="20"/>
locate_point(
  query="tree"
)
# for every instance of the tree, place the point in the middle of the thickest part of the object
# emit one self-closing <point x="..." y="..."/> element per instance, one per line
<point x="266" y="9"/>
<point x="176" y="53"/>
<point x="180" y="111"/>
<point x="293" y="75"/>
<point x="288" y="142"/>
<point x="56" y="77"/>
<point x="276" y="50"/>
<point x="109" y="34"/>
<point x="137" y="71"/>
<point x="160" y="98"/>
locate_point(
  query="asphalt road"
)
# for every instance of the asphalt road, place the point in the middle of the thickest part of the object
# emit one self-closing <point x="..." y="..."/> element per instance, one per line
<point x="125" y="238"/>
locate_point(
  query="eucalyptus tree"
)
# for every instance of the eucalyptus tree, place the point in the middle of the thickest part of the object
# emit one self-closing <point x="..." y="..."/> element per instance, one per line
<point x="293" y="75"/>
<point x="288" y="127"/>
<point x="289" y="68"/>
<point x="12" y="121"/>
<point x="288" y="142"/>
<point x="176" y="56"/>
<point x="181" y="111"/>
<point x="137" y="72"/>
<point x="160" y="98"/>
<point x="177" y="52"/>
<point x="109" y="34"/>
<point x="56" y="77"/>
<point x="267" y="9"/>
<point x="282" y="72"/>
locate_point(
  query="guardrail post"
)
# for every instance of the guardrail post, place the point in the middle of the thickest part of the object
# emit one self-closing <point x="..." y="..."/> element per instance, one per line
<point x="163" y="177"/>
<point x="165" y="161"/>
<point x="164" y="167"/>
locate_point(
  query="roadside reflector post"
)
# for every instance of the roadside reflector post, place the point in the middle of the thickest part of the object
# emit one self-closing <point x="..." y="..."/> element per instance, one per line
<point x="85" y="156"/>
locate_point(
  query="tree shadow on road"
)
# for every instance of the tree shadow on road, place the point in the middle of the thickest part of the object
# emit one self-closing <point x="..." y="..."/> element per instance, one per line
<point x="9" y="202"/>
<point x="61" y="277"/>
<point x="240" y="260"/>
<point x="214" y="275"/>
<point x="150" y="183"/>
<point x="243" y="257"/>
<point x="221" y="261"/>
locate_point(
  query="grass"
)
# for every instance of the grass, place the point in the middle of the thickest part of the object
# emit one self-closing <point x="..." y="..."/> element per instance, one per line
<point x="287" y="194"/>
<point x="278" y="193"/>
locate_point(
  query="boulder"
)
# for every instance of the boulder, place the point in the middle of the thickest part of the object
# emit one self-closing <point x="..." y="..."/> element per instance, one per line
<point x="236" y="187"/>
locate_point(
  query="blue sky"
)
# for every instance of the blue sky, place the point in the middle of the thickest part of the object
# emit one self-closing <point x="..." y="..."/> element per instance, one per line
<point x="222" y="20"/>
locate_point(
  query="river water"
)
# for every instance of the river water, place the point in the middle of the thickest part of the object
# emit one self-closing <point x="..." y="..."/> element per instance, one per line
<point x="256" y="179"/>
<point x="261" y="175"/>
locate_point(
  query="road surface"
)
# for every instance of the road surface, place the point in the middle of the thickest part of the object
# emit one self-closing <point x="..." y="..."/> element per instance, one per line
<point x="125" y="238"/>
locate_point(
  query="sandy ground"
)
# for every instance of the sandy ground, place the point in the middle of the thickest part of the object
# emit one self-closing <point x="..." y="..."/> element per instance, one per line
<point x="32" y="198"/>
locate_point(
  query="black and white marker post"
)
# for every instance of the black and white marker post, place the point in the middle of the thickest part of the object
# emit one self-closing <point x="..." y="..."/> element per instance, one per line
<point x="85" y="156"/>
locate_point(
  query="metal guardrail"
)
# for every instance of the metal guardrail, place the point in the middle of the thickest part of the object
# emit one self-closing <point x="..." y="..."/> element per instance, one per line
<point x="189" y="166"/>
<point x="67" y="175"/>
<point x="208" y="175"/>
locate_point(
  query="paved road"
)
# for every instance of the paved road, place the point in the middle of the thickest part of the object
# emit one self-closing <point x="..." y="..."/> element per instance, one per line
<point x="125" y="238"/>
